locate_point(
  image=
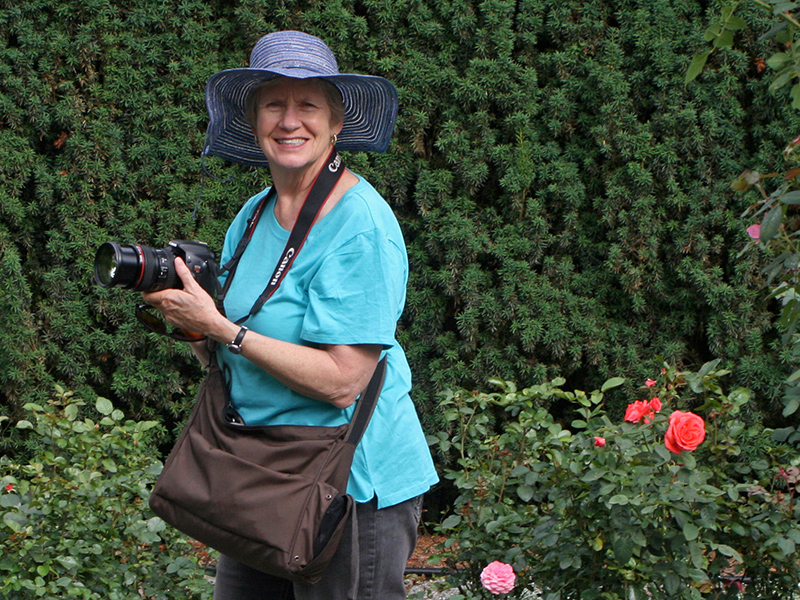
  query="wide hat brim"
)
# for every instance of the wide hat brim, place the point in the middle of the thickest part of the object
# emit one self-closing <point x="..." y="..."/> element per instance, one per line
<point x="370" y="102"/>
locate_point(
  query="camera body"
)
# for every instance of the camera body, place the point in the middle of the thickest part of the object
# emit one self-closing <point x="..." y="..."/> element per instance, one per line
<point x="144" y="269"/>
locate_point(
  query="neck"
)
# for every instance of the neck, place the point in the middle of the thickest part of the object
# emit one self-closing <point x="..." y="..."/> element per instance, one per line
<point x="294" y="185"/>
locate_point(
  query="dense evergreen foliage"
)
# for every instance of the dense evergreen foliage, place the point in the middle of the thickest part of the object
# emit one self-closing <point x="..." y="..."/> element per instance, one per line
<point x="564" y="195"/>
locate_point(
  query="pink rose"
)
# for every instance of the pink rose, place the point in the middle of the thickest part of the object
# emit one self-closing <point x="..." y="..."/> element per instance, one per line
<point x="685" y="432"/>
<point x="754" y="231"/>
<point x="655" y="404"/>
<point x="649" y="383"/>
<point x="498" y="578"/>
<point x="599" y="442"/>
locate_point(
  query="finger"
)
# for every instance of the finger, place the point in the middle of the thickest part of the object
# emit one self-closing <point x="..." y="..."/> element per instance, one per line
<point x="188" y="280"/>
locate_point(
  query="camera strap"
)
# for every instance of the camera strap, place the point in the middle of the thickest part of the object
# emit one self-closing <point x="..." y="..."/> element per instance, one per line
<point x="321" y="189"/>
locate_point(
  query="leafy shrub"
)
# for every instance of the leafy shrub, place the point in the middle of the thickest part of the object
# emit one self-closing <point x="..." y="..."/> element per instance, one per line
<point x="75" y="518"/>
<point x="601" y="509"/>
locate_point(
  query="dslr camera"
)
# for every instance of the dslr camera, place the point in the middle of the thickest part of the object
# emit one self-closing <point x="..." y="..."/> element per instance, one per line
<point x="143" y="269"/>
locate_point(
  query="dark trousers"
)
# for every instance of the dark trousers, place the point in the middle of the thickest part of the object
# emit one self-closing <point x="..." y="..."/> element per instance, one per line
<point x="367" y="567"/>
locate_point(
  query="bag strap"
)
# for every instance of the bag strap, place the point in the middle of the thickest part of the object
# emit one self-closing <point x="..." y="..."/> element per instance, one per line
<point x="366" y="405"/>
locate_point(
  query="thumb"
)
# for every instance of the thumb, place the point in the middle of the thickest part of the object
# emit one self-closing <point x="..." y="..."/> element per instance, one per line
<point x="188" y="280"/>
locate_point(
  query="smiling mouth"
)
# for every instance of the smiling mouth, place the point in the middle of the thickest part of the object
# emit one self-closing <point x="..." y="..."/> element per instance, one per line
<point x="292" y="142"/>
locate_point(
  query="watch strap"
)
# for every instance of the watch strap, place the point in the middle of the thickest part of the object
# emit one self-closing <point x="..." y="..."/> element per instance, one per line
<point x="236" y="345"/>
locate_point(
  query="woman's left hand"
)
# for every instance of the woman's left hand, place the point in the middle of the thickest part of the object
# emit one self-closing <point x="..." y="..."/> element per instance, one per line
<point x="190" y="308"/>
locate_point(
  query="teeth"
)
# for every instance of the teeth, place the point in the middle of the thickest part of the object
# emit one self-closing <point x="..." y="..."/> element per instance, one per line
<point x="295" y="142"/>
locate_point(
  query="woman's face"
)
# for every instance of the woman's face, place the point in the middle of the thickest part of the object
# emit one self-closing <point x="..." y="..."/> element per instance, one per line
<point x="293" y="124"/>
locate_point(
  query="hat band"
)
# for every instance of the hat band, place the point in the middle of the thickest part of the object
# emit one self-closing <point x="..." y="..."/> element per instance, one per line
<point x="292" y="65"/>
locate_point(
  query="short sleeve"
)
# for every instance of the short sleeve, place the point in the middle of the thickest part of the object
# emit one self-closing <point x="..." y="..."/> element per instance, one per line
<point x="358" y="293"/>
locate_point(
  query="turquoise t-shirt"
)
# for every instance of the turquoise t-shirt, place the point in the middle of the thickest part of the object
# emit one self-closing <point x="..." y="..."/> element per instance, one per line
<point x="347" y="285"/>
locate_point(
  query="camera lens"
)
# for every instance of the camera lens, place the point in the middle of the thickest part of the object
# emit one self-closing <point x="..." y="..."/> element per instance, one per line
<point x="117" y="265"/>
<point x="135" y="267"/>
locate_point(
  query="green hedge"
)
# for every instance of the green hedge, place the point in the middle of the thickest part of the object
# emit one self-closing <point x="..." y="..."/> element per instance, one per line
<point x="564" y="195"/>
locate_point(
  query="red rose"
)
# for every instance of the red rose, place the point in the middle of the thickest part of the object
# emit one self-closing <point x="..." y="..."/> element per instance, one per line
<point x="599" y="442"/>
<point x="642" y="409"/>
<point x="637" y="410"/>
<point x="685" y="432"/>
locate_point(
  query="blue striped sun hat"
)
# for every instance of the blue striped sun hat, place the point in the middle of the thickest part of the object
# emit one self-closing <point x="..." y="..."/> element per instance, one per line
<point x="370" y="102"/>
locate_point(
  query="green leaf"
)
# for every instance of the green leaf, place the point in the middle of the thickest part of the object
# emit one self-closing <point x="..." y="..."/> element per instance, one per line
<point x="696" y="66"/>
<point x="787" y="546"/>
<point x="9" y="500"/>
<point x="612" y="383"/>
<point x="735" y="23"/>
<point x="156" y="525"/>
<point x="791" y="407"/>
<point x="712" y="32"/>
<point x="621" y="499"/>
<point x="12" y="523"/>
<point x="525" y="493"/>
<point x="71" y="412"/>
<point x="672" y="583"/>
<point x="745" y="180"/>
<point x="724" y="40"/>
<point x="593" y="475"/>
<point x="782" y="79"/>
<point x="105" y="407"/>
<point x="689" y="461"/>
<point x="68" y="562"/>
<point x="662" y="452"/>
<point x="782" y="7"/>
<point x="697" y="554"/>
<point x="451" y="522"/>
<point x="729" y="552"/>
<point x="778" y="61"/>
<point x="791" y="197"/>
<point x="770" y="224"/>
<point x="690" y="531"/>
<point x="24" y="424"/>
<point x="623" y="550"/>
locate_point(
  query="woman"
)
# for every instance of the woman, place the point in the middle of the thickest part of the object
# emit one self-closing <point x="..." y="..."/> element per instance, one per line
<point x="304" y="357"/>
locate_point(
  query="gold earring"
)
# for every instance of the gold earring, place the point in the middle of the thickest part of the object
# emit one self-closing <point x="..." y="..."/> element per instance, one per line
<point x="334" y="139"/>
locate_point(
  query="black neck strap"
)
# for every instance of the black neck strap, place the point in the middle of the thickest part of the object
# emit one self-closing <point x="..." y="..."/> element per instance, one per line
<point x="321" y="189"/>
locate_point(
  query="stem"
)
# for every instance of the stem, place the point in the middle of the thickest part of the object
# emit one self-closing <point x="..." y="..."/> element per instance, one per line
<point x="786" y="16"/>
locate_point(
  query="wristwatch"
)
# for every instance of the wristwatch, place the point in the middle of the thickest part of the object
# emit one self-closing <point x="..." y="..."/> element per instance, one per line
<point x="236" y="345"/>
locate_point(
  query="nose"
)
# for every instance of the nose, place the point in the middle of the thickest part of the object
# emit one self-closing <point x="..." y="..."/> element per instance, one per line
<point x="291" y="118"/>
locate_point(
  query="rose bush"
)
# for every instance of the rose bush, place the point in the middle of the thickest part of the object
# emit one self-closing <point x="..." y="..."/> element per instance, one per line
<point x="628" y="519"/>
<point x="75" y="521"/>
